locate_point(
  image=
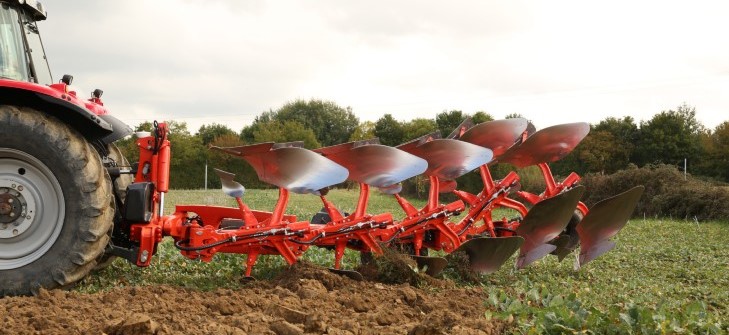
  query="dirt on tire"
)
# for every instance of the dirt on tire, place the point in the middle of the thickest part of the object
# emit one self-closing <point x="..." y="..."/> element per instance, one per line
<point x="306" y="299"/>
<point x="74" y="210"/>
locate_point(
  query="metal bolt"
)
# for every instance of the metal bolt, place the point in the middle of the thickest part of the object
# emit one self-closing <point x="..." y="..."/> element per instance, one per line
<point x="145" y="256"/>
<point x="13" y="185"/>
<point x="199" y="233"/>
<point x="20" y="187"/>
<point x="15" y="232"/>
<point x="28" y="217"/>
<point x="10" y="201"/>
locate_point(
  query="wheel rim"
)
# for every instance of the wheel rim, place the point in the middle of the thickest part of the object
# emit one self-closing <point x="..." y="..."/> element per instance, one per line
<point x="32" y="209"/>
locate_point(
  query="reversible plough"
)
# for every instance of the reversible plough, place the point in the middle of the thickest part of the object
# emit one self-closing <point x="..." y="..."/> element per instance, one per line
<point x="70" y="202"/>
<point x="554" y="221"/>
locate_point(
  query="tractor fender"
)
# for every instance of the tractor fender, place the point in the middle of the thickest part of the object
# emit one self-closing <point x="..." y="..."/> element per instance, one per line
<point x="61" y="106"/>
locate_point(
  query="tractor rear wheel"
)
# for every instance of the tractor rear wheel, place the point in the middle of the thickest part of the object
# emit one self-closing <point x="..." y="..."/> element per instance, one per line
<point x="55" y="203"/>
<point x="116" y="159"/>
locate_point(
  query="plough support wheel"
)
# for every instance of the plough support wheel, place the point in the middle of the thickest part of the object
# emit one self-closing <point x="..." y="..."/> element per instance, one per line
<point x="603" y="221"/>
<point x="545" y="221"/>
<point x="432" y="265"/>
<point x="487" y="254"/>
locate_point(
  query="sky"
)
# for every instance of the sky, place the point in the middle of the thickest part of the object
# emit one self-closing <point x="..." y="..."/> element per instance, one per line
<point x="226" y="61"/>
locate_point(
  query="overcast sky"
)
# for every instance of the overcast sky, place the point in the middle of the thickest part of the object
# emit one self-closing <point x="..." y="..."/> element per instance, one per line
<point x="227" y="61"/>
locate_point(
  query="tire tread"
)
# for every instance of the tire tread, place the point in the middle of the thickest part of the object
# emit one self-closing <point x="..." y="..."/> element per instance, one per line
<point x="89" y="223"/>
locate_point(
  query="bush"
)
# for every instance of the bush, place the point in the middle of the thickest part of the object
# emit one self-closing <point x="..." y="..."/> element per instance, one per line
<point x="667" y="194"/>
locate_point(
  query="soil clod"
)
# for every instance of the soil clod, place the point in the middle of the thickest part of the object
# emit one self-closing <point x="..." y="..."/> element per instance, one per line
<point x="305" y="299"/>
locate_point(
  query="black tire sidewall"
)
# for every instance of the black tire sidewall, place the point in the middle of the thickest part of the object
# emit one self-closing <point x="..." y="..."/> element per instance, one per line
<point x="56" y="146"/>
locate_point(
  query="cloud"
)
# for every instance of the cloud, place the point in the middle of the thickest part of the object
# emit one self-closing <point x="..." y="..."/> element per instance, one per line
<point x="555" y="62"/>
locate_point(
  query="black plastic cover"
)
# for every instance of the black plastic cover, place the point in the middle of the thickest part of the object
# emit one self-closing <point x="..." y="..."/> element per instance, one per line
<point x="121" y="129"/>
<point x="138" y="206"/>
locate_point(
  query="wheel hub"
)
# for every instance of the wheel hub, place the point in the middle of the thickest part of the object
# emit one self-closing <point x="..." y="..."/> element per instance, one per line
<point x="5" y="209"/>
<point x="14" y="217"/>
<point x="32" y="208"/>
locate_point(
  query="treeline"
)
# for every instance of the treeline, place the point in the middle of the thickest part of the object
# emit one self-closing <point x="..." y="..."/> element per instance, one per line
<point x="613" y="144"/>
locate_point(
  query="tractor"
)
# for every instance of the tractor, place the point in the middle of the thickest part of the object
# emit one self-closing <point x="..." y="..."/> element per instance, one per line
<point x="70" y="202"/>
<point x="58" y="201"/>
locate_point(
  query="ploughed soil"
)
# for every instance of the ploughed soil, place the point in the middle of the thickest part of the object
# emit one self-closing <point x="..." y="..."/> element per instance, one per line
<point x="306" y="299"/>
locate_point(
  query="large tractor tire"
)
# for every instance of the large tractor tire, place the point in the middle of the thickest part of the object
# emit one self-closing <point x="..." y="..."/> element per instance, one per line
<point x="121" y="182"/>
<point x="117" y="159"/>
<point x="55" y="203"/>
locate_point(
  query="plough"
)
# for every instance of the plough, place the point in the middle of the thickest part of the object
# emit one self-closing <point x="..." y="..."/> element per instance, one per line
<point x="70" y="202"/>
<point x="554" y="221"/>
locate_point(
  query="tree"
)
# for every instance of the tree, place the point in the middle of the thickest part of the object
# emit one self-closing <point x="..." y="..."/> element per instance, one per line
<point x="600" y="152"/>
<point x="389" y="130"/>
<point x="246" y="134"/>
<point x="286" y="131"/>
<point x="187" y="167"/>
<point x="669" y="137"/>
<point x="418" y="127"/>
<point x="514" y="116"/>
<point x="715" y="162"/>
<point x="447" y="121"/>
<point x="624" y="129"/>
<point x="481" y="117"/>
<point x="208" y="133"/>
<point x="230" y="163"/>
<point x="364" y="131"/>
<point x="617" y="148"/>
<point x="330" y="123"/>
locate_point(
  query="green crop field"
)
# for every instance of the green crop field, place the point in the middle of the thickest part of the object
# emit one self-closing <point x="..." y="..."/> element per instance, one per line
<point x="663" y="276"/>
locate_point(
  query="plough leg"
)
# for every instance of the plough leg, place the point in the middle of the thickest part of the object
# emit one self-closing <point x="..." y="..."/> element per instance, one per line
<point x="339" y="248"/>
<point x="250" y="262"/>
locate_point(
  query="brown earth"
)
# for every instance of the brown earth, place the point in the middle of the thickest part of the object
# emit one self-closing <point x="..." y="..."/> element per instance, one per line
<point x="304" y="300"/>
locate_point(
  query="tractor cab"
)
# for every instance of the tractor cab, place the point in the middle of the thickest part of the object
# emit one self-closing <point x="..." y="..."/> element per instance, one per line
<point x="22" y="56"/>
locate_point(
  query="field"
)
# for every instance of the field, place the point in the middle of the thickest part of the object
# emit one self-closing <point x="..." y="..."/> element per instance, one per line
<point x="663" y="277"/>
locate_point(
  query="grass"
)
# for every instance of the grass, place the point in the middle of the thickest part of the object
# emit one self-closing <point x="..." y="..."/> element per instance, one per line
<point x="664" y="276"/>
<point x="668" y="276"/>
